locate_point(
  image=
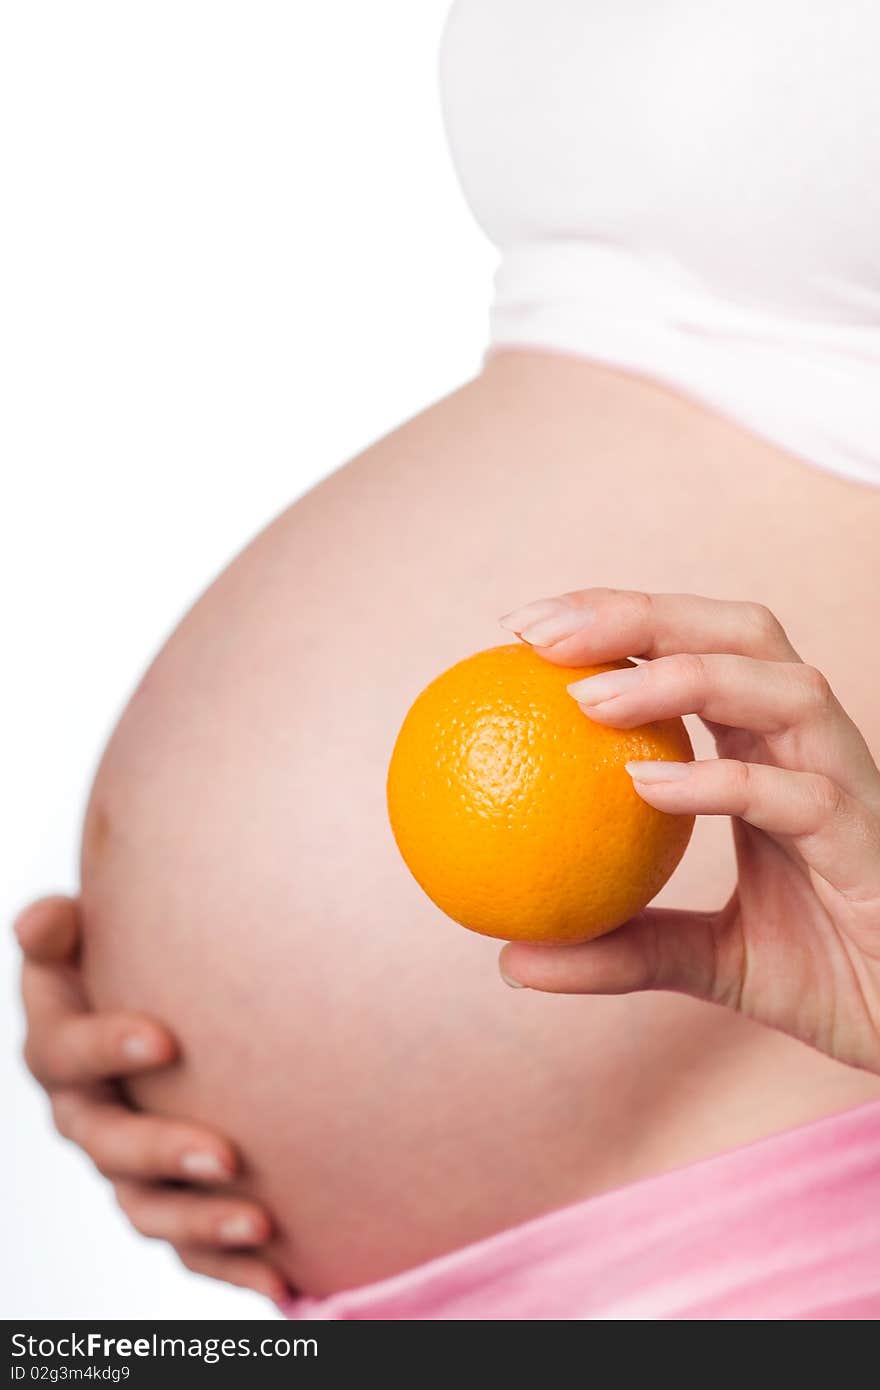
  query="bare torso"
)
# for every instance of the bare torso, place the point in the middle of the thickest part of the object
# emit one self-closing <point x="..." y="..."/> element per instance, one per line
<point x="392" y="1097"/>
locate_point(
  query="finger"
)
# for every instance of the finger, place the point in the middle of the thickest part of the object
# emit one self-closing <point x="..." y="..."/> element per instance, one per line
<point x="48" y="930"/>
<point x="245" y="1271"/>
<point x="762" y="696"/>
<point x="125" y="1144"/>
<point x="770" y="698"/>
<point x="66" y="1045"/>
<point x="832" y="832"/>
<point x="193" y="1218"/>
<point x="691" y="952"/>
<point x="597" y="625"/>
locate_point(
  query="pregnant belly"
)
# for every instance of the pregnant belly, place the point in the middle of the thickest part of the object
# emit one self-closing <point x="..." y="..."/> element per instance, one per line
<point x="392" y="1099"/>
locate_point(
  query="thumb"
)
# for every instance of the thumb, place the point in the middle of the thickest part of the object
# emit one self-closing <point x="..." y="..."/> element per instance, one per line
<point x="48" y="930"/>
<point x="688" y="952"/>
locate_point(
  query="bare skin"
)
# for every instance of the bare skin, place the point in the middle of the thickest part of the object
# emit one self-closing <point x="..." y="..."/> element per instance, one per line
<point x="797" y="945"/>
<point x="390" y="1097"/>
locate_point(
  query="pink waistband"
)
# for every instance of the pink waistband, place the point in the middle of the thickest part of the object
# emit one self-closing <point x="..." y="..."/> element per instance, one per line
<point x="786" y="1228"/>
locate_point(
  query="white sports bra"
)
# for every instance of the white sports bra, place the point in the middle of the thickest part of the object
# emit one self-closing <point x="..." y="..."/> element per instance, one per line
<point x="690" y="190"/>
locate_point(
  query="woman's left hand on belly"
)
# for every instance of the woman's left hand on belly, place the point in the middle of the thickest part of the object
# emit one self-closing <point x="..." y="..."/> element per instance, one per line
<point x="78" y="1057"/>
<point x="797" y="947"/>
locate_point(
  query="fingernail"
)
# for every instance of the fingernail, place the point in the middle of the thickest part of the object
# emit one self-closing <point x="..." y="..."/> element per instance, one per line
<point x="138" y="1047"/>
<point x="203" y="1165"/>
<point x="546" y="622"/>
<point x="514" y="984"/>
<point x="238" y="1230"/>
<point x="595" y="690"/>
<point x="657" y="771"/>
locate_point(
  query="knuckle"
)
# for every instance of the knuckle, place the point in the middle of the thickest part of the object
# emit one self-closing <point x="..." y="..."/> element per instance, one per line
<point x="764" y="624"/>
<point x="741" y="780"/>
<point x="642" y="605"/>
<point x="104" y="1140"/>
<point x="32" y="1057"/>
<point x="144" y="1225"/>
<point x="653" y="956"/>
<point x="210" y="1264"/>
<point x="125" y="1198"/>
<point x="690" y="669"/>
<point x="94" y="1130"/>
<point x="85" y="1133"/>
<point x="827" y="797"/>
<point x="65" y="1113"/>
<point x="635" y="611"/>
<point x="134" y="1208"/>
<point x="578" y="598"/>
<point x="816" y="689"/>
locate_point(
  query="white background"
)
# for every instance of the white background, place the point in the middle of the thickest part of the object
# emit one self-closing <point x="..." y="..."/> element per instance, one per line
<point x="233" y="252"/>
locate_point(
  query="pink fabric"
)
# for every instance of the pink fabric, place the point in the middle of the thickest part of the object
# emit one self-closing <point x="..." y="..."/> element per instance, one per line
<point x="787" y="1228"/>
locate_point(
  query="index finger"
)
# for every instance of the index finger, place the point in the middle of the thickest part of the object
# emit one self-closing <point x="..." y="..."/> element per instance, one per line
<point x="67" y="1044"/>
<point x="598" y="625"/>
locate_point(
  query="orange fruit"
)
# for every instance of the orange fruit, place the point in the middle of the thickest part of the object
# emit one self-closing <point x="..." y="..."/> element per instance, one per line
<point x="514" y="811"/>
